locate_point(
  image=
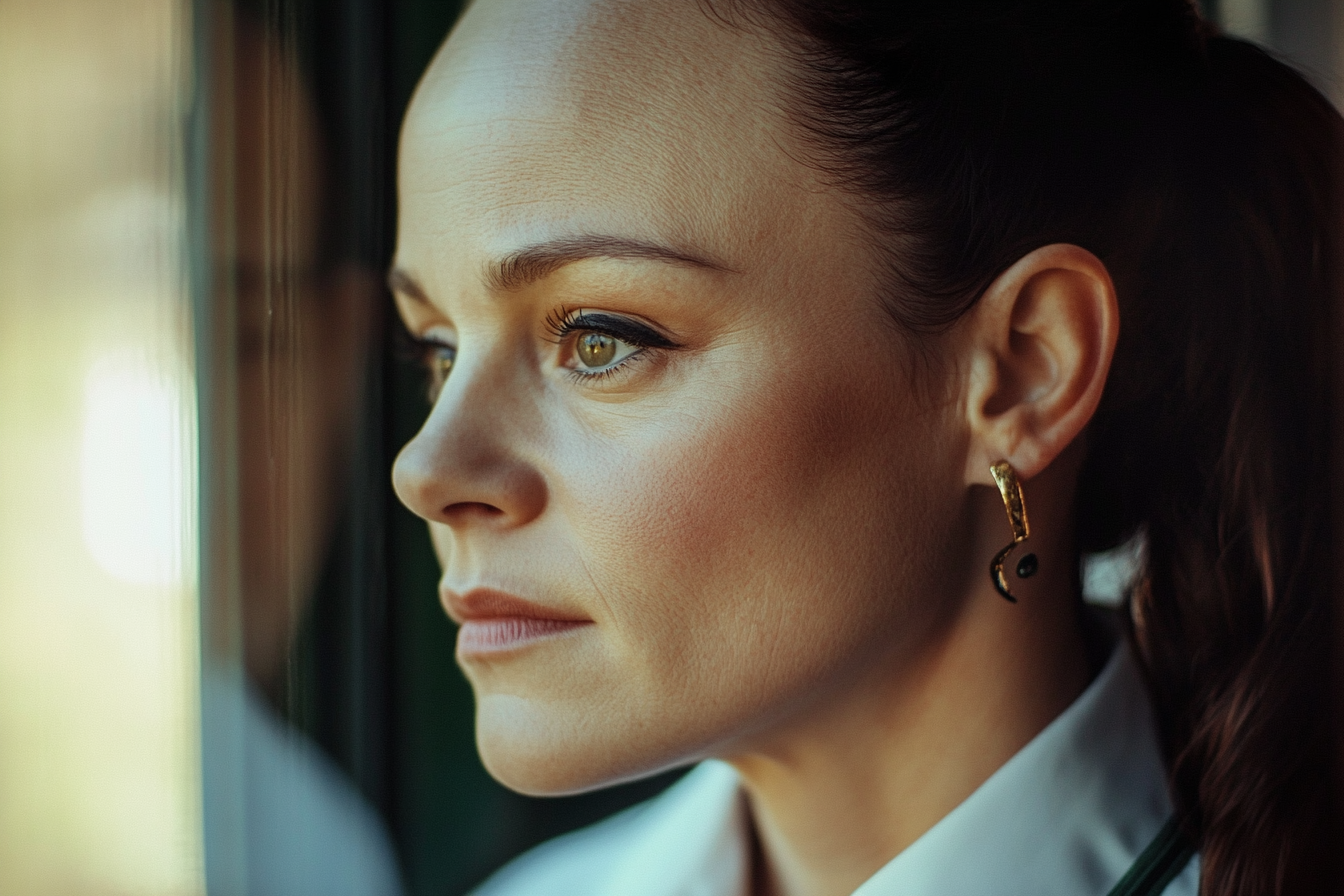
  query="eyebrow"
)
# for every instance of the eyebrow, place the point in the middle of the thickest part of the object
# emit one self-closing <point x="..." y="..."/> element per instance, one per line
<point x="531" y="263"/>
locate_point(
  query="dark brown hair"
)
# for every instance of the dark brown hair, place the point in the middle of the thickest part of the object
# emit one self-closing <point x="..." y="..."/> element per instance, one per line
<point x="1206" y="175"/>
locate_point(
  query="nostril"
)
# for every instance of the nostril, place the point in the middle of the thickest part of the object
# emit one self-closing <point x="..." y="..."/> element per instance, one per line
<point x="463" y="511"/>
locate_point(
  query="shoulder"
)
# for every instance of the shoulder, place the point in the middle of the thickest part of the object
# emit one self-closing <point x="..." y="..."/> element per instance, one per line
<point x="652" y="841"/>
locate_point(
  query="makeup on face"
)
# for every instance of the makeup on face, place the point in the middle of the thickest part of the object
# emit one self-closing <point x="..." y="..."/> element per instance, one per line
<point x="672" y="434"/>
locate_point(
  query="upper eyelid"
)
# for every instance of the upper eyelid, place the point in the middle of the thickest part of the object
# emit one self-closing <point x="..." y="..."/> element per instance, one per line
<point x="422" y="334"/>
<point x="416" y="314"/>
<point x="564" y="322"/>
<point x="426" y="339"/>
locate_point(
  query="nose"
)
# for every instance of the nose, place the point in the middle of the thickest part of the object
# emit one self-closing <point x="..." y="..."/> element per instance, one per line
<point x="466" y="466"/>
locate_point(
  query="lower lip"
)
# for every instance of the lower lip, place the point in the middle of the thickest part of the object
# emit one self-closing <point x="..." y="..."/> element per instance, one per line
<point x="480" y="636"/>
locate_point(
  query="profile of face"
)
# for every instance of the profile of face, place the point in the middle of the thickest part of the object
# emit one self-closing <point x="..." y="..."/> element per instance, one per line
<point x="684" y="477"/>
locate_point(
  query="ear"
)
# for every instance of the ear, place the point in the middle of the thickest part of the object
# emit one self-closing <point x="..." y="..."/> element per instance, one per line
<point x="1039" y="343"/>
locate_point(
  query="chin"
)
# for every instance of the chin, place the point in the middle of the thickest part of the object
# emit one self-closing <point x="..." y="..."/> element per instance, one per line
<point x="542" y="751"/>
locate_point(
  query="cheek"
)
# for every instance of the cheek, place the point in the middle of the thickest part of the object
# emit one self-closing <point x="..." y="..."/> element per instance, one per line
<point x="751" y="546"/>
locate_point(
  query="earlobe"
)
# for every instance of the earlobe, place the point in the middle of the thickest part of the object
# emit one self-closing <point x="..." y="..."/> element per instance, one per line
<point x="1040" y="342"/>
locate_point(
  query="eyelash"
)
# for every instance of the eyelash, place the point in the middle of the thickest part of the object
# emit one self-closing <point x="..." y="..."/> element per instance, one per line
<point x="564" y="323"/>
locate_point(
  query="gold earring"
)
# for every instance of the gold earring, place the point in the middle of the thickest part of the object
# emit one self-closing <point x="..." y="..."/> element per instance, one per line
<point x="1011" y="490"/>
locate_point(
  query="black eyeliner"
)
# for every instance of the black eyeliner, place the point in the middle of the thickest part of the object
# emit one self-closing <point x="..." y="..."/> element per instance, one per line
<point x="621" y="328"/>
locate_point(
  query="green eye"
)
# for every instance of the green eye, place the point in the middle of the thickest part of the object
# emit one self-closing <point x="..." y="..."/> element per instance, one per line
<point x="594" y="344"/>
<point x="438" y="361"/>
<point x="596" y="349"/>
<point x="441" y="364"/>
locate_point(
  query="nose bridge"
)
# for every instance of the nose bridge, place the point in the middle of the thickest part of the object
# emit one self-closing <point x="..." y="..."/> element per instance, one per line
<point x="470" y="458"/>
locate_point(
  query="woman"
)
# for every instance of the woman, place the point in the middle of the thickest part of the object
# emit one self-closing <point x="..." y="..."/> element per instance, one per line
<point x="759" y="315"/>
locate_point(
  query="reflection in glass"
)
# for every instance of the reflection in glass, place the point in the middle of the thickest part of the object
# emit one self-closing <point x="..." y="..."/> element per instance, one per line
<point x="291" y="322"/>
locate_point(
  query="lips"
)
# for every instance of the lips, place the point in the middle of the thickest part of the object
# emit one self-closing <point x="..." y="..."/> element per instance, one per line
<point x="495" y="621"/>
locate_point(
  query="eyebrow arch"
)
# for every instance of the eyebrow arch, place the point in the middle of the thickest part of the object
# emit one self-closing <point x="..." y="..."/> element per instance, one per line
<point x="531" y="263"/>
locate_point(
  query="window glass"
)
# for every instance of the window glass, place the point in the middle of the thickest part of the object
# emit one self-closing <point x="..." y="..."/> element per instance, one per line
<point x="99" y="737"/>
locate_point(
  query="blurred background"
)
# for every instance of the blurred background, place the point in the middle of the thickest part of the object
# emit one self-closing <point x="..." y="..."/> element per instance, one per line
<point x="223" y="666"/>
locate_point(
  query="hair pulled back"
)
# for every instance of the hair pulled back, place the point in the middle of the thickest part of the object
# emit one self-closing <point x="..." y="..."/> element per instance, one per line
<point x="1206" y="176"/>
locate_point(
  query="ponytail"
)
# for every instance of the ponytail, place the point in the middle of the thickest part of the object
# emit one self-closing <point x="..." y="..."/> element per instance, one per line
<point x="1216" y="442"/>
<point x="1207" y="176"/>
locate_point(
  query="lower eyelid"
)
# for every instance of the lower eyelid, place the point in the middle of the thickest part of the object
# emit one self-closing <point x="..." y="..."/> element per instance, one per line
<point x="635" y="357"/>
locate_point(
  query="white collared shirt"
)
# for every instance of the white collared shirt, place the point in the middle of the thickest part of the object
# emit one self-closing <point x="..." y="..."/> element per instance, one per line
<point x="1067" y="815"/>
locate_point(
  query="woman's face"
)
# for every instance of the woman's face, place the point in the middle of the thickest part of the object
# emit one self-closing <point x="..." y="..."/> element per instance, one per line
<point x="678" y="478"/>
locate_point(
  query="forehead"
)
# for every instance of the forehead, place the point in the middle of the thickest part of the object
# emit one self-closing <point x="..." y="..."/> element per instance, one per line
<point x="588" y="115"/>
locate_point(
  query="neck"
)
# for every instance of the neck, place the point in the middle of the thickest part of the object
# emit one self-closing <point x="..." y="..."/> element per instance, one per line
<point x="862" y="773"/>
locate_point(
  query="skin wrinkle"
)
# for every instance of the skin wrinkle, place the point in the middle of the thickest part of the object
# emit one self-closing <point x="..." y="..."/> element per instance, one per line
<point x="780" y="541"/>
<point x="597" y="589"/>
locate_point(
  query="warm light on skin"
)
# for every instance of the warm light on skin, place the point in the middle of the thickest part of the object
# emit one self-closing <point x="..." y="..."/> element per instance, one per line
<point x="683" y="502"/>
<point x="775" y="532"/>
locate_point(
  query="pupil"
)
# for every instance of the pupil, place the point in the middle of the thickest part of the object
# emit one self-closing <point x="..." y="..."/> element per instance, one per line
<point x="596" y="349"/>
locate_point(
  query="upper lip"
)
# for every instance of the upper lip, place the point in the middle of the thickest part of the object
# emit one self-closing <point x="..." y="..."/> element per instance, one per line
<point x="491" y="603"/>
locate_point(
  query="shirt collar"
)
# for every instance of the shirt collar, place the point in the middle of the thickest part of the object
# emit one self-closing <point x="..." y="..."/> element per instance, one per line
<point x="1067" y="814"/>
<point x="694" y="840"/>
